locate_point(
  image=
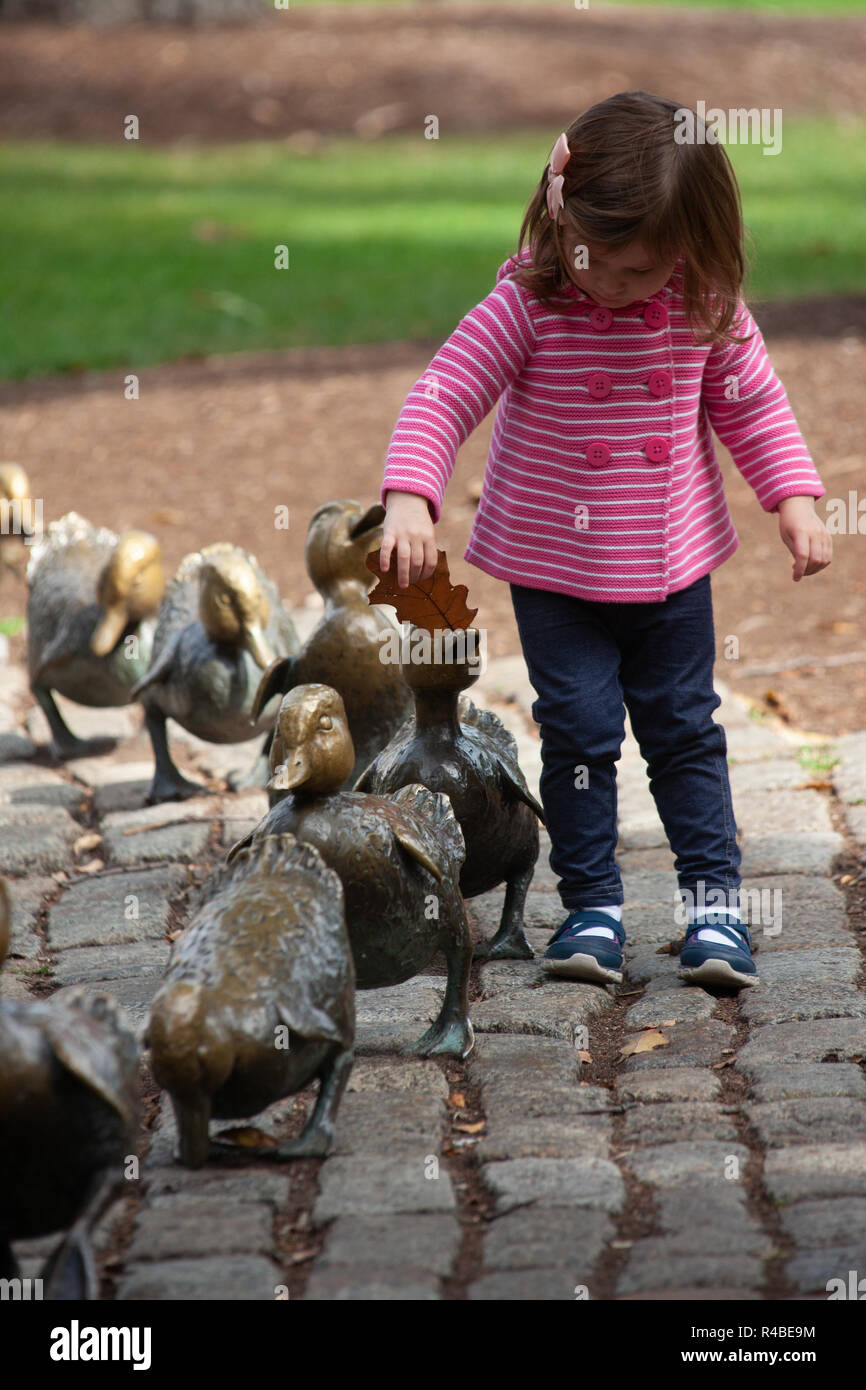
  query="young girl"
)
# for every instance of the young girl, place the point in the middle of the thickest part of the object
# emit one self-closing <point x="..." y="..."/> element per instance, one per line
<point x="616" y="337"/>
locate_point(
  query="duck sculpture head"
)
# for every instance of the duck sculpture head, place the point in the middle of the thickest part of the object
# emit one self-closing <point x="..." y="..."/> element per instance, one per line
<point x="340" y="536"/>
<point x="233" y="607"/>
<point x="312" y="751"/>
<point x="130" y="588"/>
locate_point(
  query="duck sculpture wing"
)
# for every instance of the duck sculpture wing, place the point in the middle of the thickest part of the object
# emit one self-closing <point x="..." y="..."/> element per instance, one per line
<point x="425" y="826"/>
<point x="88" y="1036"/>
<point x="503" y="746"/>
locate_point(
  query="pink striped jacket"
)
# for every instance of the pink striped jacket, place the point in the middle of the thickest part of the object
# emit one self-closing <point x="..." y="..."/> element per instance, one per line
<point x="602" y="480"/>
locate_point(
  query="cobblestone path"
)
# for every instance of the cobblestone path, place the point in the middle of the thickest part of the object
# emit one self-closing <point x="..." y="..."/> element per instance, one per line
<point x="728" y="1161"/>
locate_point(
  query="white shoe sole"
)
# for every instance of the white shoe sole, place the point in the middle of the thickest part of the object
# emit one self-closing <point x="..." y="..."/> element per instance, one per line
<point x="715" y="972"/>
<point x="582" y="967"/>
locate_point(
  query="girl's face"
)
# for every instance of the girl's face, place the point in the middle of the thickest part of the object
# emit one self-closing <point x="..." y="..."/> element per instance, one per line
<point x="616" y="278"/>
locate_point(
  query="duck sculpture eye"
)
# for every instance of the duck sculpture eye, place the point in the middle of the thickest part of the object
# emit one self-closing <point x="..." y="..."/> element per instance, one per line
<point x="325" y="722"/>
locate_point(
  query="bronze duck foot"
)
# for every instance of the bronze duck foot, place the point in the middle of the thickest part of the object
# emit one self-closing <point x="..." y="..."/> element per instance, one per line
<point x="454" y="1038"/>
<point x="177" y="788"/>
<point x="505" y="945"/>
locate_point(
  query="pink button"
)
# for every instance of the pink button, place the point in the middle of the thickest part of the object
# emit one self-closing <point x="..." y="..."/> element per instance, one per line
<point x="600" y="318"/>
<point x="597" y="454"/>
<point x="655" y="315"/>
<point x="657" y="449"/>
<point x="660" y="382"/>
<point x="599" y="385"/>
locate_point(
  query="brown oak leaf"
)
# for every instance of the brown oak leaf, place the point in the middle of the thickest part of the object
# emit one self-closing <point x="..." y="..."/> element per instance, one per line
<point x="435" y="603"/>
<point x="644" y="1042"/>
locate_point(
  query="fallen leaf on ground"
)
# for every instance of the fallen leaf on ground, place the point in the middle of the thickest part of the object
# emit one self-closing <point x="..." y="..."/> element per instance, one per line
<point x="728" y="1062"/>
<point x="668" y="1023"/>
<point x="584" y="1056"/>
<point x="458" y="1100"/>
<point x="93" y="867"/>
<point x="644" y="1042"/>
<point x="88" y="841"/>
<point x="471" y="1129"/>
<point x="247" y="1137"/>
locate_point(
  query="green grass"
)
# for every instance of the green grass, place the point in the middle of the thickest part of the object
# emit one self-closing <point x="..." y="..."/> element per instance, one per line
<point x="10" y="626"/>
<point x="102" y="261"/>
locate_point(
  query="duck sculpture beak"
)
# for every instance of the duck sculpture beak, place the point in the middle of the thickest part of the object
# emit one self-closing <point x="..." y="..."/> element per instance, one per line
<point x="367" y="525"/>
<point x="258" y="646"/>
<point x="109" y="630"/>
<point x="292" y="772"/>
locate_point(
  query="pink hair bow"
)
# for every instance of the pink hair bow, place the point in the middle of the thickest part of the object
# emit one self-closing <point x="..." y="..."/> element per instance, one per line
<point x="558" y="160"/>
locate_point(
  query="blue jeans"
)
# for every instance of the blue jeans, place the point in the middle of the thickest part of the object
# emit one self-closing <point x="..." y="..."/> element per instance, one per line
<point x="588" y="661"/>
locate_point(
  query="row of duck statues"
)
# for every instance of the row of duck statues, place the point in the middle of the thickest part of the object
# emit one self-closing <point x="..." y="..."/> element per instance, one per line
<point x="392" y="800"/>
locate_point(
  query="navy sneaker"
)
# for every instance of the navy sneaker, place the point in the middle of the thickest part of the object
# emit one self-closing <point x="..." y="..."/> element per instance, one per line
<point x="595" y="958"/>
<point x="711" y="962"/>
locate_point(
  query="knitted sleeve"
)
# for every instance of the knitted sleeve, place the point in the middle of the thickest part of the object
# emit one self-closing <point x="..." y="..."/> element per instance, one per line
<point x="487" y="350"/>
<point x="748" y="408"/>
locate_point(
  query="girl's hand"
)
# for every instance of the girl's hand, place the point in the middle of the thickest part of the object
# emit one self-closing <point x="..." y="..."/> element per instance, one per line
<point x="408" y="527"/>
<point x="805" y="535"/>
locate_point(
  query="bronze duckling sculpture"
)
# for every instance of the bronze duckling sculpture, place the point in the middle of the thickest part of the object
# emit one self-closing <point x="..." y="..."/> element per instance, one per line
<point x="398" y="858"/>
<point x="344" y="649"/>
<point x="258" y="998"/>
<point x="93" y="597"/>
<point x="68" y="1112"/>
<point x="220" y="624"/>
<point x="471" y="756"/>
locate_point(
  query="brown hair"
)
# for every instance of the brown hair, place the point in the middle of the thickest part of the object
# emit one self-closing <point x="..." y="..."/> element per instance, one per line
<point x="628" y="178"/>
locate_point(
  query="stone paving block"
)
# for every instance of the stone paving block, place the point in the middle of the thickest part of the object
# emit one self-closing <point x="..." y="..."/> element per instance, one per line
<point x="757" y="740"/>
<point x="26" y="896"/>
<point x="771" y="1081"/>
<point x="811" y="1171"/>
<point x="790" y="813"/>
<point x="803" y="999"/>
<point x="764" y="775"/>
<point x="664" y="1165"/>
<point x="163" y="1145"/>
<point x="511" y="1135"/>
<point x="579" y="1182"/>
<point x="415" y="1001"/>
<point x="667" y="1124"/>
<point x="559" y="1009"/>
<point x="26" y="784"/>
<point x="680" y="1084"/>
<point x="812" y="1270"/>
<point x="186" y="840"/>
<point x="543" y="912"/>
<point x="566" y="1237"/>
<point x="395" y="1123"/>
<point x="644" y="965"/>
<point x="654" y="1264"/>
<point x="837" y="1119"/>
<point x="509" y="976"/>
<point x="15" y="747"/>
<point x="134" y="996"/>
<point x="700" y="1217"/>
<point x="117" y="786"/>
<point x="236" y="1279"/>
<point x="838" y="964"/>
<point x="697" y="1044"/>
<point x="835" y="1222"/>
<point x="35" y="839"/>
<point x="849" y="774"/>
<point x="370" y="1284"/>
<point x="176" y="1187"/>
<point x="141" y="960"/>
<point x="685" y="1004"/>
<point x="373" y="1186"/>
<point x="207" y="1226"/>
<point x="525" y="1285"/>
<point x="428" y="1242"/>
<point x="87" y="721"/>
<point x="649" y="888"/>
<point x="827" y="1039"/>
<point x="798" y="852"/>
<point x="398" y="1074"/>
<point x="855" y="817"/>
<point x="92" y="912"/>
<point x="641" y="831"/>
